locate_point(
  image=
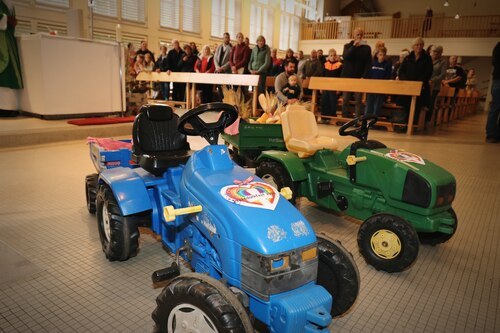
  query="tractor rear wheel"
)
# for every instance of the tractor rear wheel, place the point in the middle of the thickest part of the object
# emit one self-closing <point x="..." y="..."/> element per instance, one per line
<point x="275" y="174"/>
<point x="198" y="303"/>
<point x="119" y="234"/>
<point x="435" y="238"/>
<point x="91" y="191"/>
<point x="388" y="242"/>
<point x="338" y="274"/>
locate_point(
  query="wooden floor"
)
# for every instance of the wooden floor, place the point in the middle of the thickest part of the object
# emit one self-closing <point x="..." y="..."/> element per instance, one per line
<point x="54" y="277"/>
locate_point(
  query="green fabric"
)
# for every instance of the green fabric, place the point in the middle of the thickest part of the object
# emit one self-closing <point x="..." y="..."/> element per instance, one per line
<point x="10" y="65"/>
<point x="260" y="59"/>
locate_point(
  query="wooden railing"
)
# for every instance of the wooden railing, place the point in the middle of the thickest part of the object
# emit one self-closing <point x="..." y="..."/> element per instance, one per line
<point x="192" y="79"/>
<point x="443" y="27"/>
<point x="390" y="87"/>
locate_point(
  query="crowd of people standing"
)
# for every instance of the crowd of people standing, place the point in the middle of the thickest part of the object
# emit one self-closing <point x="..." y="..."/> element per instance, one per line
<point x="357" y="60"/>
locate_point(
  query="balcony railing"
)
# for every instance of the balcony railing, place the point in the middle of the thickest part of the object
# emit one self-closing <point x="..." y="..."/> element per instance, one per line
<point x="441" y="27"/>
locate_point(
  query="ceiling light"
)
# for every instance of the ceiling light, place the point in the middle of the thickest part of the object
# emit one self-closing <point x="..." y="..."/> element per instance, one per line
<point x="446" y="4"/>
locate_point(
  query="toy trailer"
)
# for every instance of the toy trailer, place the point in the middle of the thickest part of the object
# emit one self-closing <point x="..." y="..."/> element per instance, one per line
<point x="251" y="140"/>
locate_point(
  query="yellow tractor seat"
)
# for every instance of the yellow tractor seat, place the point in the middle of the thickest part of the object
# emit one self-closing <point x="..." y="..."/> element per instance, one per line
<point x="300" y="132"/>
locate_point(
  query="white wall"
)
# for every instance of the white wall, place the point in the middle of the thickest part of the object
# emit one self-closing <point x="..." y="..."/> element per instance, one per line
<point x="470" y="47"/>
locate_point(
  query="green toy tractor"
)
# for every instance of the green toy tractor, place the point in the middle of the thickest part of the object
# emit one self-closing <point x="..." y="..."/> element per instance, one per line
<point x="402" y="198"/>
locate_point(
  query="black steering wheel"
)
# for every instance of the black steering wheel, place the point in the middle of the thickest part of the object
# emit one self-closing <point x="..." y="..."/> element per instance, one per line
<point x="360" y="125"/>
<point x="191" y="123"/>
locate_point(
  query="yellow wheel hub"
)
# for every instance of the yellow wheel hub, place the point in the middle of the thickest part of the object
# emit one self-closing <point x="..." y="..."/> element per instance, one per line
<point x="385" y="244"/>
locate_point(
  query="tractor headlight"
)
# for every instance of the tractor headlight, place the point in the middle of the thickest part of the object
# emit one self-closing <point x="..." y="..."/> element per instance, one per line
<point x="445" y="194"/>
<point x="264" y="275"/>
<point x="416" y="191"/>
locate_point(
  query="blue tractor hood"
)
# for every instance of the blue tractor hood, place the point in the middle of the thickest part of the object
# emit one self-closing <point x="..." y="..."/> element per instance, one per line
<point x="240" y="206"/>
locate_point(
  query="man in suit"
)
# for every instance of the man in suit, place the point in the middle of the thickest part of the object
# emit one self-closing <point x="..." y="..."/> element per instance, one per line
<point x="221" y="56"/>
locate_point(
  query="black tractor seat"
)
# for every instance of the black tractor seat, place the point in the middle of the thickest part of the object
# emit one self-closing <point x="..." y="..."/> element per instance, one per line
<point x="157" y="143"/>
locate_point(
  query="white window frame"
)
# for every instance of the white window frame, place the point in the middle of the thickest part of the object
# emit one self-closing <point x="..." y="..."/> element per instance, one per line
<point x="289" y="25"/>
<point x="261" y="20"/>
<point x="53" y="3"/>
<point x="119" y="9"/>
<point x="224" y="19"/>
<point x="181" y="10"/>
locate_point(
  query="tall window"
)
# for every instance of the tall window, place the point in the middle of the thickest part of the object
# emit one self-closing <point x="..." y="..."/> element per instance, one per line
<point x="131" y="10"/>
<point x="58" y="3"/>
<point x="289" y="25"/>
<point x="184" y="16"/>
<point x="261" y="21"/>
<point x="106" y="7"/>
<point x="311" y="9"/>
<point x="169" y="14"/>
<point x="191" y="15"/>
<point x="226" y="17"/>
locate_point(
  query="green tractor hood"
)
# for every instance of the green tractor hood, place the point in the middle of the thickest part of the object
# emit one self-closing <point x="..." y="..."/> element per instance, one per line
<point x="404" y="176"/>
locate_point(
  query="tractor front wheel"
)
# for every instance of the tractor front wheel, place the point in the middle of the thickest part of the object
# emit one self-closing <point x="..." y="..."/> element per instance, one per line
<point x="435" y="238"/>
<point x="91" y="191"/>
<point x="199" y="303"/>
<point x="388" y="242"/>
<point x="119" y="234"/>
<point x="338" y="274"/>
<point x="275" y="174"/>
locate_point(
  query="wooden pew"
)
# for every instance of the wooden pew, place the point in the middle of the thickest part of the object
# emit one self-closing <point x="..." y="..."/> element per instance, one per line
<point x="443" y="104"/>
<point x="387" y="87"/>
<point x="191" y="79"/>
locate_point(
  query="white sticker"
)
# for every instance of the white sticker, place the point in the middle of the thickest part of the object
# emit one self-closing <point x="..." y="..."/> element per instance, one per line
<point x="404" y="156"/>
<point x="253" y="194"/>
<point x="275" y="233"/>
<point x="300" y="229"/>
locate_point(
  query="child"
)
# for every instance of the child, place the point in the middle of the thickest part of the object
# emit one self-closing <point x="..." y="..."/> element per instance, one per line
<point x="291" y="90"/>
<point x="139" y="64"/>
<point x="380" y="69"/>
<point x="329" y="99"/>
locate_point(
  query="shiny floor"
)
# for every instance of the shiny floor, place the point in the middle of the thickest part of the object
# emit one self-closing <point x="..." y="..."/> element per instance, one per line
<point x="55" y="278"/>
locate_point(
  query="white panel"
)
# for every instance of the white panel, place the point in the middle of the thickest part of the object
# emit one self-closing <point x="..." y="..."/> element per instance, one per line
<point x="59" y="78"/>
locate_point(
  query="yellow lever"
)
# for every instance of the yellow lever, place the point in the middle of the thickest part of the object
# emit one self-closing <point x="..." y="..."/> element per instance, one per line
<point x="286" y="192"/>
<point x="169" y="212"/>
<point x="352" y="160"/>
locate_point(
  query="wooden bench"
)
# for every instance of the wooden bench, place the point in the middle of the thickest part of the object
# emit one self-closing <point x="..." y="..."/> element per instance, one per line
<point x="387" y="87"/>
<point x="443" y="105"/>
<point x="192" y="79"/>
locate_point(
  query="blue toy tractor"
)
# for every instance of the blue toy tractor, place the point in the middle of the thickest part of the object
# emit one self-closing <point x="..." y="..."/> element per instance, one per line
<point x="256" y="260"/>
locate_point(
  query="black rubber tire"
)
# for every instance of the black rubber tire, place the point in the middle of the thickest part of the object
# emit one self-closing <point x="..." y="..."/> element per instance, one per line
<point x="275" y="174"/>
<point x="210" y="296"/>
<point x="338" y="274"/>
<point x="91" y="191"/>
<point x="404" y="231"/>
<point x="123" y="241"/>
<point x="435" y="238"/>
